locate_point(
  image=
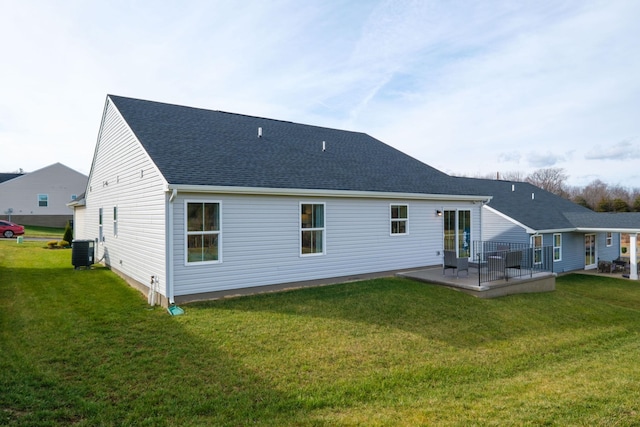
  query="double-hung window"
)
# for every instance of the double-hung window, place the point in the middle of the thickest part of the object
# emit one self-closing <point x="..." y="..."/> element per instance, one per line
<point x="312" y="229"/>
<point x="536" y="241"/>
<point x="43" y="200"/>
<point x="203" y="232"/>
<point x="399" y="219"/>
<point x="557" y="247"/>
<point x="609" y="238"/>
<point x="100" y="226"/>
<point x="115" y="220"/>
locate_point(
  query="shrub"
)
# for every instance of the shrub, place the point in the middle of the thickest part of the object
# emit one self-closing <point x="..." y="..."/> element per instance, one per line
<point x="68" y="234"/>
<point x="52" y="244"/>
<point x="63" y="243"/>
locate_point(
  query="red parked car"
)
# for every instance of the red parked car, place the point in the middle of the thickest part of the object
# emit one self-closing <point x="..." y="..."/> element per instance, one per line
<point x="8" y="229"/>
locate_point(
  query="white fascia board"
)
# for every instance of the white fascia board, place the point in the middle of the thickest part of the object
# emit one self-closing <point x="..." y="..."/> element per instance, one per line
<point x="75" y="203"/>
<point x="590" y="230"/>
<point x="303" y="192"/>
<point x="609" y="230"/>
<point x="555" y="230"/>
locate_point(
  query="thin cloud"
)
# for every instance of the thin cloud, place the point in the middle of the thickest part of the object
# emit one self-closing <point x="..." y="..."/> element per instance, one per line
<point x="544" y="160"/>
<point x="626" y="149"/>
<point x="510" y="157"/>
<point x="459" y="85"/>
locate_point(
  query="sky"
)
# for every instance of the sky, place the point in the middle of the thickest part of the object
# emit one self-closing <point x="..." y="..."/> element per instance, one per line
<point x="472" y="88"/>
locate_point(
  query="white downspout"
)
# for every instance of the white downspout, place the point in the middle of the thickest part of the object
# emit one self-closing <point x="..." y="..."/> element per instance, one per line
<point x="170" y="299"/>
<point x="633" y="256"/>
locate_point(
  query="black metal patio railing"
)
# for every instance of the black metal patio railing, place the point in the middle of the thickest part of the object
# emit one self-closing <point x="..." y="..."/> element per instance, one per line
<point x="504" y="260"/>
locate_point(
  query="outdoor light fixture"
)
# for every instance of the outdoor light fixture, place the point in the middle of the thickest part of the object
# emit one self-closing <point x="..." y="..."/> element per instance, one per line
<point x="438" y="213"/>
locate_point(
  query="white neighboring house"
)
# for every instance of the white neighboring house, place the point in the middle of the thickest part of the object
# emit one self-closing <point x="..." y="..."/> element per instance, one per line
<point x="41" y="197"/>
<point x="204" y="203"/>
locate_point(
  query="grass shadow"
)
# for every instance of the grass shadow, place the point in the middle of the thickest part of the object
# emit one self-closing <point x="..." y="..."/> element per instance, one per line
<point x="81" y="347"/>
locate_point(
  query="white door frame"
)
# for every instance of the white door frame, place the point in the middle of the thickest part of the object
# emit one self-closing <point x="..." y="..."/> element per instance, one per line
<point x="590" y="251"/>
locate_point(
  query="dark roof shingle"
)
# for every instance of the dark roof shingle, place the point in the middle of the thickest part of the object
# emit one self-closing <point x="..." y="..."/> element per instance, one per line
<point x="4" y="177"/>
<point x="194" y="146"/>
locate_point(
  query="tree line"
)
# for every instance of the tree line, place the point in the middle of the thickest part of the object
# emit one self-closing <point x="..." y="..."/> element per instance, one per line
<point x="597" y="195"/>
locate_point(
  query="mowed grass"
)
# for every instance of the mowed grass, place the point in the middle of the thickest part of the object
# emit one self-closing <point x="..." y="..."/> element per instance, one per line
<point x="43" y="232"/>
<point x="82" y="348"/>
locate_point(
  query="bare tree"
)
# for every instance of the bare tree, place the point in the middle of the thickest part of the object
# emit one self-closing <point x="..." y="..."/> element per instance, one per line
<point x="513" y="176"/>
<point x="549" y="179"/>
<point x="597" y="195"/>
<point x="594" y="193"/>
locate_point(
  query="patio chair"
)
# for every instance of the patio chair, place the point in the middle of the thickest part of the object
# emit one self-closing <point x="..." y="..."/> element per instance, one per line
<point x="452" y="261"/>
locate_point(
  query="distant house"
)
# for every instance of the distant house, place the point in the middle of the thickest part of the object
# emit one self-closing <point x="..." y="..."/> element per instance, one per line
<point x="519" y="212"/>
<point x="41" y="197"/>
<point x="193" y="204"/>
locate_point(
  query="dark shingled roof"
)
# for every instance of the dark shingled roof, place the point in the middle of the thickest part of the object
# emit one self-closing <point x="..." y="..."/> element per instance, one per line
<point x="542" y="210"/>
<point x="194" y="146"/>
<point x="9" y="176"/>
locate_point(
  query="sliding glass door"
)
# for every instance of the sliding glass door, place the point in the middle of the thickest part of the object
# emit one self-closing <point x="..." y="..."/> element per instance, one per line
<point x="589" y="251"/>
<point x="457" y="232"/>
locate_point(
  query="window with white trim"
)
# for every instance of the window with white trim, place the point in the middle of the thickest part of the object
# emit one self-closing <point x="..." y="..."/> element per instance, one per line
<point x="609" y="238"/>
<point x="100" y="228"/>
<point x="399" y="219"/>
<point x="115" y="220"/>
<point x="312" y="229"/>
<point x="43" y="200"/>
<point x="536" y="242"/>
<point x="557" y="247"/>
<point x="203" y="232"/>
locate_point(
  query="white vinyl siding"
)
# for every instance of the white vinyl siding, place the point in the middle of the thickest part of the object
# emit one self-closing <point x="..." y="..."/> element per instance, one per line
<point x="262" y="242"/>
<point x="139" y="250"/>
<point x="497" y="227"/>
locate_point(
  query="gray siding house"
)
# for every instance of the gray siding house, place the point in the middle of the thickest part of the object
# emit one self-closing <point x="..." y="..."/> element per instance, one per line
<point x="40" y="197"/>
<point x="187" y="203"/>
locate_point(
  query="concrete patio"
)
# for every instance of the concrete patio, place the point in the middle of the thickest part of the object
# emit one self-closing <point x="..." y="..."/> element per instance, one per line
<point x="468" y="283"/>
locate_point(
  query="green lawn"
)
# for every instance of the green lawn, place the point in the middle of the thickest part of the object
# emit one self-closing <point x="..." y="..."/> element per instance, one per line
<point x="43" y="232"/>
<point x="80" y="347"/>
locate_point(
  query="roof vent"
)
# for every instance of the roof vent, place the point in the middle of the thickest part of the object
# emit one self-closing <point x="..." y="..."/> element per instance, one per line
<point x="324" y="146"/>
<point x="533" y="196"/>
<point x="259" y="132"/>
<point x="513" y="187"/>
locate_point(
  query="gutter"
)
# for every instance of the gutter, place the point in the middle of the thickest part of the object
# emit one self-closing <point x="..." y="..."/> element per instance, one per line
<point x="304" y="192"/>
<point x="169" y="228"/>
<point x="612" y="230"/>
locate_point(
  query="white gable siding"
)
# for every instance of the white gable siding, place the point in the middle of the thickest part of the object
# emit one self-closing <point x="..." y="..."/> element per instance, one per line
<point x="123" y="176"/>
<point x="261" y="242"/>
<point x="497" y="228"/>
